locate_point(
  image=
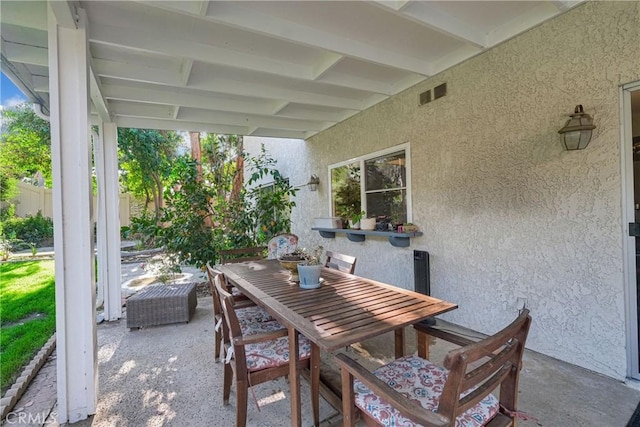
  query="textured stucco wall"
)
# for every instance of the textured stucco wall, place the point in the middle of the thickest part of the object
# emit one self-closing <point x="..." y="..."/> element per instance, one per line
<point x="506" y="213"/>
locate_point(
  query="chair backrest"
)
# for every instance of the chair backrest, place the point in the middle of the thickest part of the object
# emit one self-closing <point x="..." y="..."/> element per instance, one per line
<point x="211" y="275"/>
<point x="483" y="366"/>
<point x="216" y="277"/>
<point x="338" y="261"/>
<point x="231" y="329"/>
<point x="281" y="244"/>
<point x="254" y="253"/>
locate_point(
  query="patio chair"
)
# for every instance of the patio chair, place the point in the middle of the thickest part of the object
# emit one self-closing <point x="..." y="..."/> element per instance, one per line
<point x="337" y="261"/>
<point x="281" y="244"/>
<point x="246" y="310"/>
<point x="254" y="354"/>
<point x="254" y="253"/>
<point x="411" y="390"/>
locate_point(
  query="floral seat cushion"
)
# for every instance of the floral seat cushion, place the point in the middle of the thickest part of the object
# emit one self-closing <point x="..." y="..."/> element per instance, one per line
<point x="422" y="382"/>
<point x="274" y="353"/>
<point x="281" y="244"/>
<point x="253" y="313"/>
<point x="253" y="327"/>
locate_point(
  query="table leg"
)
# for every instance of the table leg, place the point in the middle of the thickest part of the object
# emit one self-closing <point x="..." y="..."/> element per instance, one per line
<point x="315" y="383"/>
<point x="294" y="378"/>
<point x="423" y="344"/>
<point x="399" y="342"/>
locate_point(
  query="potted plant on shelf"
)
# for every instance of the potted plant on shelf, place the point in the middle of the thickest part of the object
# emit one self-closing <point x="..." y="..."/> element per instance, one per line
<point x="367" y="223"/>
<point x="354" y="219"/>
<point x="309" y="270"/>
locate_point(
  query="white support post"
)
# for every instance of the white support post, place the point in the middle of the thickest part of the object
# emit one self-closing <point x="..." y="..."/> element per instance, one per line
<point x="109" y="277"/>
<point x="77" y="370"/>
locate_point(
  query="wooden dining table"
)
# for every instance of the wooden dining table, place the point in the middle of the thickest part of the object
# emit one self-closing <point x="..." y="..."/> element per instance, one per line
<point x="344" y="310"/>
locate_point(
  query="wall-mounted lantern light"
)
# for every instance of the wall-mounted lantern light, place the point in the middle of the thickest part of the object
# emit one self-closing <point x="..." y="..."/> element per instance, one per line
<point x="577" y="131"/>
<point x="313" y="182"/>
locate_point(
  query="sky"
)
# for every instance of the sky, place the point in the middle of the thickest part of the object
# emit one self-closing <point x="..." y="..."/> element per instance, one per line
<point x="10" y="95"/>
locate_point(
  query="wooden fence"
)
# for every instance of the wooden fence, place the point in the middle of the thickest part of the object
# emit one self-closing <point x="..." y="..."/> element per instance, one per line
<point x="32" y="199"/>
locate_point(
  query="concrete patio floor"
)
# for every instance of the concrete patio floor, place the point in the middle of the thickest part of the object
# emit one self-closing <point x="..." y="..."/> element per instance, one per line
<point x="166" y="376"/>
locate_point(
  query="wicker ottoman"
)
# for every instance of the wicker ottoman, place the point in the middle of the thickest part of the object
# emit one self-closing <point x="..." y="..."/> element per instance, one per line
<point x="161" y="304"/>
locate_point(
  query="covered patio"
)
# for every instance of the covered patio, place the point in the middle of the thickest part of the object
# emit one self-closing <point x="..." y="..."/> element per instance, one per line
<point x="166" y="376"/>
<point x="509" y="217"/>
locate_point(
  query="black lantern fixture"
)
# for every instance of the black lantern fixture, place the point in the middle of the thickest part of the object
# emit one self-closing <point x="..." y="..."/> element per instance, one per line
<point x="313" y="182"/>
<point x="577" y="131"/>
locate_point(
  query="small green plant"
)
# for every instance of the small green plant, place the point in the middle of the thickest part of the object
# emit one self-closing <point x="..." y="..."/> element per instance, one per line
<point x="357" y="216"/>
<point x="142" y="228"/>
<point x="5" y="249"/>
<point x="34" y="249"/>
<point x="165" y="268"/>
<point x="310" y="257"/>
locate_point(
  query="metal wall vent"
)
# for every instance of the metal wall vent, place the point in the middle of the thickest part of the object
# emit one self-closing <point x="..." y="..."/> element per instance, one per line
<point x="424" y="97"/>
<point x="439" y="91"/>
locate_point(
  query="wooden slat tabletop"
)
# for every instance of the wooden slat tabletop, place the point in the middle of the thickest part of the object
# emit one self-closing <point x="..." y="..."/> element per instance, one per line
<point x="346" y="309"/>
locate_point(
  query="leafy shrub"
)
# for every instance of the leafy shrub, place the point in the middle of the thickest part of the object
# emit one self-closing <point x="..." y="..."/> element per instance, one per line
<point x="142" y="228"/>
<point x="32" y="229"/>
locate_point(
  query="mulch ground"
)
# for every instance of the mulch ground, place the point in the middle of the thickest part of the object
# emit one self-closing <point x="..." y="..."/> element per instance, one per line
<point x="202" y="289"/>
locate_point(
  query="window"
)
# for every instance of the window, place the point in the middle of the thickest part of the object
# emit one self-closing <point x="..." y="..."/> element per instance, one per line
<point x="377" y="184"/>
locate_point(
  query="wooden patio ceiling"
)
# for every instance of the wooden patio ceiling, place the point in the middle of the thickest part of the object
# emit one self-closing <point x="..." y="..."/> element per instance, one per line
<point x="267" y="68"/>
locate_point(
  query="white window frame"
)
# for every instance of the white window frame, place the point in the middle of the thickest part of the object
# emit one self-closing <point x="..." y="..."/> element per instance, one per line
<point x="361" y="160"/>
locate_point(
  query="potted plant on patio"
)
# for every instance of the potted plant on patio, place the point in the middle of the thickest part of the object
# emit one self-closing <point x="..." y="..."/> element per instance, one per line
<point x="309" y="270"/>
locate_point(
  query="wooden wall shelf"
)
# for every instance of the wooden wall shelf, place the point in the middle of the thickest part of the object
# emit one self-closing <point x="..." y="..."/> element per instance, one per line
<point x="400" y="240"/>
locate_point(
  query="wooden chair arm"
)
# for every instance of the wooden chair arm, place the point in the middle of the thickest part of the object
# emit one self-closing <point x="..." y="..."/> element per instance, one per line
<point x="405" y="406"/>
<point x="445" y="335"/>
<point x="267" y="336"/>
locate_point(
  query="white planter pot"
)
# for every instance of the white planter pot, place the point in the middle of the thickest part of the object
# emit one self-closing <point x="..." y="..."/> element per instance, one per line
<point x="309" y="276"/>
<point x="367" y="223"/>
<point x="354" y="225"/>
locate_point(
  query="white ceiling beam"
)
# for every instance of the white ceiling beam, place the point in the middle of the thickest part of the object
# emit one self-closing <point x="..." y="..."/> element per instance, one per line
<point x="233" y="14"/>
<point x="151" y="111"/>
<point x="40" y="83"/>
<point x="280" y="133"/>
<point x="237" y="119"/>
<point x="210" y="101"/>
<point x="169" y="42"/>
<point x="185" y="71"/>
<point x="149" y="41"/>
<point x="147" y="123"/>
<point x="361" y="83"/>
<point x="97" y="98"/>
<point x="25" y="54"/>
<point x="135" y="72"/>
<point x="183" y="97"/>
<point x="266" y="91"/>
<point x="279" y="107"/>
<point x="428" y="15"/>
<point x="322" y="67"/>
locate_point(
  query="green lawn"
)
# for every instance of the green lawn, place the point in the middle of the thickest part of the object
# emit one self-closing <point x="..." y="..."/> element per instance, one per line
<point x="27" y="314"/>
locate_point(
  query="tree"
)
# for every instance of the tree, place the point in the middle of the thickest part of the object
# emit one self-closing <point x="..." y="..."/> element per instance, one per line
<point x="146" y="156"/>
<point x="243" y="217"/>
<point x="25" y="146"/>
